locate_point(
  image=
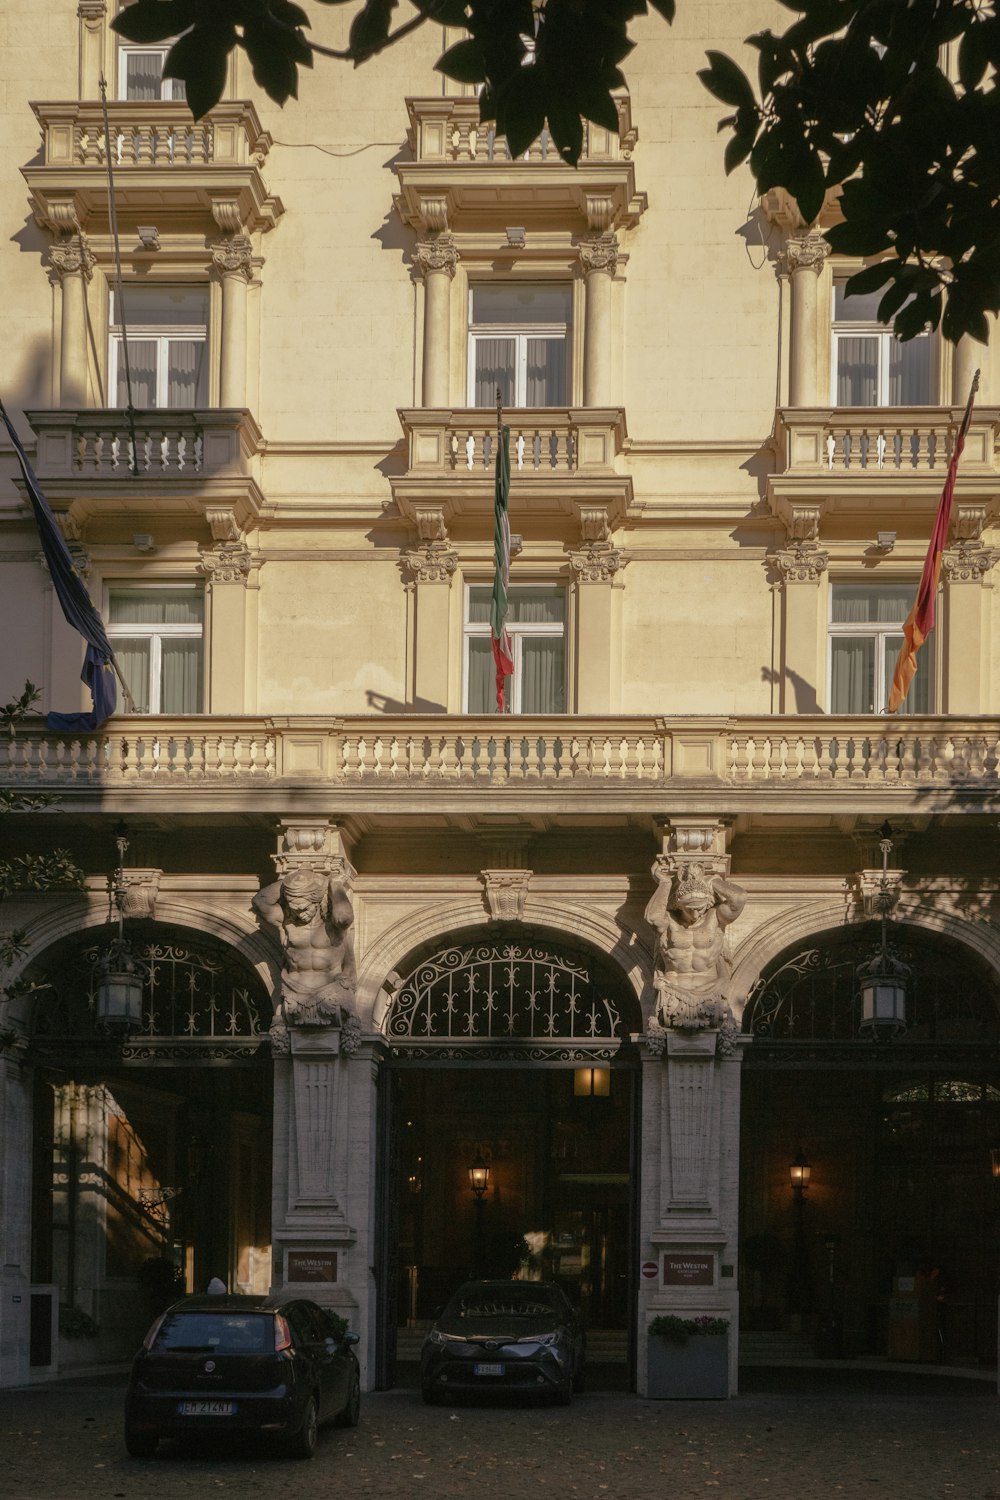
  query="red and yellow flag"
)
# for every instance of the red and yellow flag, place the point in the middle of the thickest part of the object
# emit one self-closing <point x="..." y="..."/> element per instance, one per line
<point x="503" y="656"/>
<point x="920" y="621"/>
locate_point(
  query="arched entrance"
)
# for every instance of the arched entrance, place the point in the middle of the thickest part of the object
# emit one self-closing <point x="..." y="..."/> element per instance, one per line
<point x="892" y="1248"/>
<point x="513" y="1054"/>
<point x="151" y="1154"/>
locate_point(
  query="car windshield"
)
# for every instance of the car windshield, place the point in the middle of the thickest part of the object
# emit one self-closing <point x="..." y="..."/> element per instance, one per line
<point x="217" y="1332"/>
<point x="514" y="1301"/>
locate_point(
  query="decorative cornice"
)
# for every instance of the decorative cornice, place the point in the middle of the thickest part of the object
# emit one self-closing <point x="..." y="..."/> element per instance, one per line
<point x="807" y="252"/>
<point x="801" y="563"/>
<point x="967" y="564"/>
<point x="599" y="254"/>
<point x="437" y="254"/>
<point x="234" y="256"/>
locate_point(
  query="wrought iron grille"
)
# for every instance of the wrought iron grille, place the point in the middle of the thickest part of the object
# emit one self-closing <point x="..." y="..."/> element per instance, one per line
<point x="813" y="996"/>
<point x="191" y="990"/>
<point x="501" y="991"/>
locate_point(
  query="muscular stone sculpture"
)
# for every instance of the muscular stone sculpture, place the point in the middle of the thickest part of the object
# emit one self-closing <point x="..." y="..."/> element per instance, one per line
<point x="313" y="916"/>
<point x="690" y="911"/>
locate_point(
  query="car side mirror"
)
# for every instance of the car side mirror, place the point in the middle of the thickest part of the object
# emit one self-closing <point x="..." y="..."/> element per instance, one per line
<point x="352" y="1339"/>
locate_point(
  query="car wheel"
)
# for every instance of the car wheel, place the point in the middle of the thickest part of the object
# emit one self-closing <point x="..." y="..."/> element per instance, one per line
<point x="139" y="1444"/>
<point x="352" y="1411"/>
<point x="580" y="1379"/>
<point x="302" y="1444"/>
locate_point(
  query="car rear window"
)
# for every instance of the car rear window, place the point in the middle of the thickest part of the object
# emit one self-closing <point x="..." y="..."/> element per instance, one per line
<point x="218" y="1333"/>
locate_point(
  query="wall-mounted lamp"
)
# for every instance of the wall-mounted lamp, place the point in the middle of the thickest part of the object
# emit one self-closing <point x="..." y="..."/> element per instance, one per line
<point x="479" y="1176"/>
<point x="885" y="541"/>
<point x="592" y="1083"/>
<point x="799" y="1172"/>
<point x="142" y="541"/>
<point x="149" y="236"/>
<point x="515" y="236"/>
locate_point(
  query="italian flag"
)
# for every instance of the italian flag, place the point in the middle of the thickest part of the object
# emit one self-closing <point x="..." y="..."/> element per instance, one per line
<point x="920" y="621"/>
<point x="502" y="653"/>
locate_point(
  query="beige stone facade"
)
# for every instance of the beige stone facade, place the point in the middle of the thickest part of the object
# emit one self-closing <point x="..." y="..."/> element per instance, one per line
<point x="722" y="490"/>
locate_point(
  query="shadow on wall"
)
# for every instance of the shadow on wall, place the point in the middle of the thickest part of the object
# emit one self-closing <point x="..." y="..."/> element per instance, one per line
<point x="806" y="701"/>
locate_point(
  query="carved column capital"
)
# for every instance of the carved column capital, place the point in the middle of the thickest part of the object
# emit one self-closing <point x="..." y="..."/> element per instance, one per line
<point x="598" y="563"/>
<point x="82" y="560"/>
<point x="227" y="562"/>
<point x="313" y="844"/>
<point x="72" y="257"/>
<point x="233" y="256"/>
<point x="801" y="563"/>
<point x="435" y="562"/>
<point x="437" y="254"/>
<point x="506" y="892"/>
<point x="805" y="252"/>
<point x="967" y="564"/>
<point x="91" y="10"/>
<point x="599" y="254"/>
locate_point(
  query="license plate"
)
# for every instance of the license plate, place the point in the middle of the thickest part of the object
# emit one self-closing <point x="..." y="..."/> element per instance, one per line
<point x="206" y="1408"/>
<point x="488" y="1369"/>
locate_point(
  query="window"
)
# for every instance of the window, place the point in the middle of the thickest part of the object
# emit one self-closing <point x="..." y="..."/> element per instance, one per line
<point x="157" y="635"/>
<point x="865" y="637"/>
<point x="167" y="346"/>
<point x="536" y="624"/>
<point x="518" y="338"/>
<point x="140" y="74"/>
<point x="871" y="367"/>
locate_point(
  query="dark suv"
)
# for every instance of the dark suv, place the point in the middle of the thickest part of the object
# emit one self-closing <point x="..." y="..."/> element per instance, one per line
<point x="216" y="1364"/>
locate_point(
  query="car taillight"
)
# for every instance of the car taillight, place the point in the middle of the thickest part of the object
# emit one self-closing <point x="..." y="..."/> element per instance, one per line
<point x="282" y="1334"/>
<point x="150" y="1338"/>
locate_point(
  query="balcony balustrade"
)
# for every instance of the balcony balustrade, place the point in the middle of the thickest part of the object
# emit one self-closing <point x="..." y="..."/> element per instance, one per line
<point x="450" y="130"/>
<point x="884" y="441"/>
<point x="795" y="763"/>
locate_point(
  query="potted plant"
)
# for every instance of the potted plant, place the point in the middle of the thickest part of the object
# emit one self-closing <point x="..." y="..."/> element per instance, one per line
<point x="687" y="1358"/>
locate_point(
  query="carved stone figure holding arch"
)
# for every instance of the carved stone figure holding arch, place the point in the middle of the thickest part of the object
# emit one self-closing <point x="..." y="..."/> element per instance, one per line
<point x="313" y="916"/>
<point x="690" y="911"/>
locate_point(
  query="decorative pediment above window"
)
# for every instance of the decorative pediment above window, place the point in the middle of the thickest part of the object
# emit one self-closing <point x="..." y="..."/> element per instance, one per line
<point x="461" y="176"/>
<point x="166" y="165"/>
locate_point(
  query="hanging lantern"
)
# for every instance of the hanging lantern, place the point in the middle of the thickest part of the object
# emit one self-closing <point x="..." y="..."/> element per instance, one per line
<point x="118" y="993"/>
<point x="882" y="978"/>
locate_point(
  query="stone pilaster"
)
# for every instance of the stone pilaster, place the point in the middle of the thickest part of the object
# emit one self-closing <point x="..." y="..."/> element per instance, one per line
<point x="232" y="258"/>
<point x="966" y="571"/>
<point x="73" y="265"/>
<point x="599" y="260"/>
<point x="803" y="260"/>
<point x="436" y="259"/>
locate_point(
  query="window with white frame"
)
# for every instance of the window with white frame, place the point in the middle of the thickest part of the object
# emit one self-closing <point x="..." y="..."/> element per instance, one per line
<point x="167" y="346"/>
<point x="157" y="633"/>
<point x="871" y="367"/>
<point x="536" y="624"/>
<point x="519" y="344"/>
<point x="866" y="633"/>
<point x="140" y="74"/>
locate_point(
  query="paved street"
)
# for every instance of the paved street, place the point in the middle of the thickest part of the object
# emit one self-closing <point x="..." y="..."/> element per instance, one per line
<point x="792" y="1435"/>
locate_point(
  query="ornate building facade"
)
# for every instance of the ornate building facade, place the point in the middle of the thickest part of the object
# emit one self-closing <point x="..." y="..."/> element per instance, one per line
<point x="610" y="947"/>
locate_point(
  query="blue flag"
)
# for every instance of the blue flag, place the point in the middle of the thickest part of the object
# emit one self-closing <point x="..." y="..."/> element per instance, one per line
<point x="77" y="605"/>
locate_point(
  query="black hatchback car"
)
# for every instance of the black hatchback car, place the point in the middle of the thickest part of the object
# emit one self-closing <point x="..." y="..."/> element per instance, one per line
<point x="279" y="1366"/>
<point x="520" y="1336"/>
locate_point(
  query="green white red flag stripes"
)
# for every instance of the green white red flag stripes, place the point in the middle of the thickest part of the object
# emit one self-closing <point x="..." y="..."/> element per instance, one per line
<point x="503" y="656"/>
<point x="920" y="621"/>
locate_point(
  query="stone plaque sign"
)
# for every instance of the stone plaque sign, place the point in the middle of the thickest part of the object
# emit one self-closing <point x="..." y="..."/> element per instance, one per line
<point x="312" y="1265"/>
<point x="689" y="1270"/>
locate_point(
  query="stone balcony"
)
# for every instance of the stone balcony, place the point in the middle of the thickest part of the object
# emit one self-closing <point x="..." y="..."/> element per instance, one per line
<point x="557" y="456"/>
<point x="186" y="461"/>
<point x="165" y="164"/>
<point x="863" y="458"/>
<point x="573" y="764"/>
<point x="467" y="172"/>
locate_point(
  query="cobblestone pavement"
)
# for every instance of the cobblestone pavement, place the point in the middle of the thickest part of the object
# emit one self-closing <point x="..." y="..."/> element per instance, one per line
<point x="803" y="1435"/>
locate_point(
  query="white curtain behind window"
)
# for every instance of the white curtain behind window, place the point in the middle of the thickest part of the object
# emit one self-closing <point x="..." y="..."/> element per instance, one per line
<point x="546" y="372"/>
<point x="494" y="367"/>
<point x="133" y="658"/>
<point x="180" y="688"/>
<point x="185" y="377"/>
<point x="543" y="675"/>
<point x="852" y="675"/>
<point x="857" y="371"/>
<point x="142" y="75"/>
<point x="142" y="366"/>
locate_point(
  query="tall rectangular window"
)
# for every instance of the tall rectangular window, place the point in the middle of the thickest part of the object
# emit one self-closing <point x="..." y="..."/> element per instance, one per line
<point x="140" y="74"/>
<point x="518" y="343"/>
<point x="167" y="346"/>
<point x="865" y="637"/>
<point x="157" y="636"/>
<point x="871" y="367"/>
<point x="536" y="624"/>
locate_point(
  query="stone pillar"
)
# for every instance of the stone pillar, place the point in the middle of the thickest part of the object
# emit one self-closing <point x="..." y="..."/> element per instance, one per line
<point x="91" y="15"/>
<point x="432" y="566"/>
<point x="15" y="1217"/>
<point x="967" y="656"/>
<point x="233" y="258"/>
<point x="966" y="359"/>
<point x="230" y="570"/>
<point x="437" y="259"/>
<point x="598" y="568"/>
<point x="599" y="258"/>
<point x="74" y="265"/>
<point x="804" y="258"/>
<point x="799" y="569"/>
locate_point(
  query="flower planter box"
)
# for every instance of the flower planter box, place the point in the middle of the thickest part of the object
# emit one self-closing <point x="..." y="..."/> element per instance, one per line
<point x="697" y="1370"/>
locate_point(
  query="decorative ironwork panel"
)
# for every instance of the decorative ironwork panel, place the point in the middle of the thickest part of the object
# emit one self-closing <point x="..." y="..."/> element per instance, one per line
<point x="505" y="991"/>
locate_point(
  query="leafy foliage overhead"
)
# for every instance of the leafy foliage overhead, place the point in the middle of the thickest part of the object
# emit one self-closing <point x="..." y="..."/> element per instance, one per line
<point x="890" y="105"/>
